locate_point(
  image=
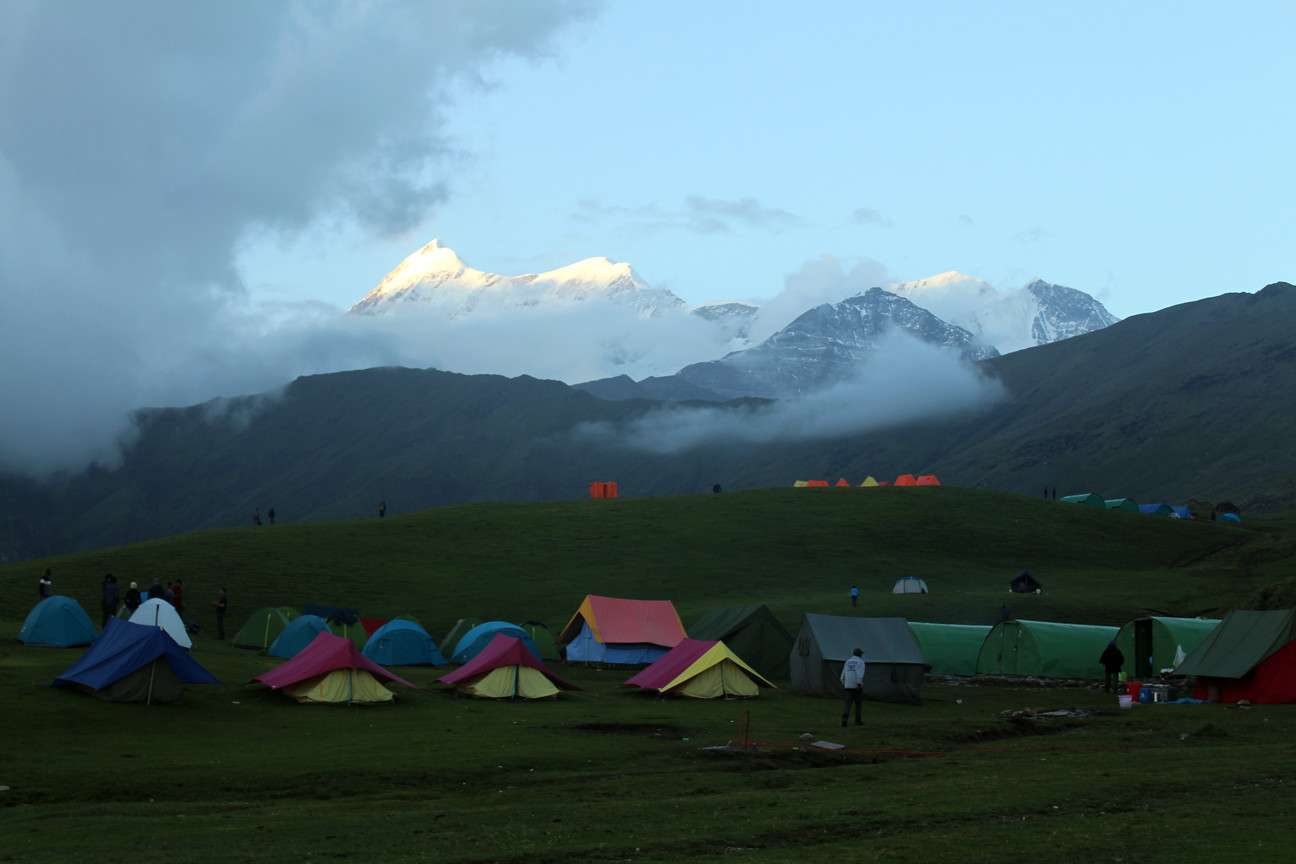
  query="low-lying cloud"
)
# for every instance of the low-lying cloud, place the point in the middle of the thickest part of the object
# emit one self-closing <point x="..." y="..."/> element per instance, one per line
<point x="907" y="380"/>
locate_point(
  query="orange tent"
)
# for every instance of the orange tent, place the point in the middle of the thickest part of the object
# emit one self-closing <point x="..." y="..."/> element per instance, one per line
<point x="928" y="480"/>
<point x="842" y="482"/>
<point x="906" y="480"/>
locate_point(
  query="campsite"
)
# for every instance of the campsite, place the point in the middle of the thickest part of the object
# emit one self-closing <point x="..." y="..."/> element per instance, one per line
<point x="998" y="769"/>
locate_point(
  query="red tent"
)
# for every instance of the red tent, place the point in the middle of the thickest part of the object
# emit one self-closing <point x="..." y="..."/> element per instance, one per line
<point x="325" y="654"/>
<point x="817" y="483"/>
<point x="928" y="480"/>
<point x="503" y="650"/>
<point x="906" y="480"/>
<point x="842" y="482"/>
<point x="616" y="620"/>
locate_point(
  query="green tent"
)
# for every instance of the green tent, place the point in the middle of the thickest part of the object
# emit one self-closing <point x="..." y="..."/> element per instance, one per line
<point x="1129" y="505"/>
<point x="1153" y="643"/>
<point x="462" y="626"/>
<point x="1251" y="655"/>
<point x="751" y="632"/>
<point x="542" y="638"/>
<point x="950" y="649"/>
<point x="289" y="613"/>
<point x="893" y="661"/>
<point x="261" y="629"/>
<point x="1089" y="499"/>
<point x="1044" y="649"/>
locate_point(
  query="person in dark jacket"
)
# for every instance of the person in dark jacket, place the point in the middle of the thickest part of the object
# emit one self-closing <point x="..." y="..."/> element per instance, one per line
<point x="46" y="584"/>
<point x="133" y="599"/>
<point x="156" y="590"/>
<point x="109" y="597"/>
<point x="1112" y="660"/>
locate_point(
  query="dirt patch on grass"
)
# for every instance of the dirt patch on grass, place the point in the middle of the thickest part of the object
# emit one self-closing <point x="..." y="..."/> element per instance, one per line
<point x="637" y="730"/>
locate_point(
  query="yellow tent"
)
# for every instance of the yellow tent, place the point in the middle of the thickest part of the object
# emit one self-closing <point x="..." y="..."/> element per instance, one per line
<point x="702" y="670"/>
<point x="508" y="682"/>
<point x="869" y="481"/>
<point x="800" y="483"/>
<point x="340" y="686"/>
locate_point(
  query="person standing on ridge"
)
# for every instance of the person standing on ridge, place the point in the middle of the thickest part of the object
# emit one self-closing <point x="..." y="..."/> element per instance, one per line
<point x="852" y="679"/>
<point x="256" y="516"/>
<point x="221" y="603"/>
<point x="271" y="514"/>
<point x="46" y="584"/>
<point x="108" y="597"/>
<point x="382" y="509"/>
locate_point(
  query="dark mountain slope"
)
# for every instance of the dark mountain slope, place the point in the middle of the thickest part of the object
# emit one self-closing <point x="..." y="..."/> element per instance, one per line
<point x="1196" y="401"/>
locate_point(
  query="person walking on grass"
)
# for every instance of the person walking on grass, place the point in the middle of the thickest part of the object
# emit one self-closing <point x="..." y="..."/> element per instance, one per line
<point x="852" y="679"/>
<point x="854" y="595"/>
<point x="1112" y="660"/>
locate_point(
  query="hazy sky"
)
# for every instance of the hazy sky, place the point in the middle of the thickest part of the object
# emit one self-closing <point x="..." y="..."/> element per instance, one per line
<point x="191" y="192"/>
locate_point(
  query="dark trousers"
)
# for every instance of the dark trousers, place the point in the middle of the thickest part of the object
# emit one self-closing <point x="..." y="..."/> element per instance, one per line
<point x="220" y="625"/>
<point x="1109" y="680"/>
<point x="853" y="695"/>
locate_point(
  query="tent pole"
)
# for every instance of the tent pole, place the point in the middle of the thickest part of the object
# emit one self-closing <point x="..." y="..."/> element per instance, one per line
<point x="148" y="700"/>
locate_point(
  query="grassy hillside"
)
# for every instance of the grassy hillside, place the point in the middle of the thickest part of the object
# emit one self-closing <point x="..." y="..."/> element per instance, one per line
<point x="795" y="550"/>
<point x="240" y="774"/>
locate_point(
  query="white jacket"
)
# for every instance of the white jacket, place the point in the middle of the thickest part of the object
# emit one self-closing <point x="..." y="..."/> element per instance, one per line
<point x="852" y="675"/>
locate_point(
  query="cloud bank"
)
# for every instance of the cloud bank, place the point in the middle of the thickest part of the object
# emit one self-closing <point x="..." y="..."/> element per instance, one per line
<point x="908" y="380"/>
<point x="141" y="143"/>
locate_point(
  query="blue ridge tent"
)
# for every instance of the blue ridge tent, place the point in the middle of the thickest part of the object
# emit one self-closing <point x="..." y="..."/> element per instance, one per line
<point x="299" y="633"/>
<point x="480" y="636"/>
<point x="58" y="622"/>
<point x="402" y="643"/>
<point x="135" y="663"/>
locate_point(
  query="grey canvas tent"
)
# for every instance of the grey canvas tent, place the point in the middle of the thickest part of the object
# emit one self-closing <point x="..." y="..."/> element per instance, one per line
<point x="751" y="632"/>
<point x="893" y="661"/>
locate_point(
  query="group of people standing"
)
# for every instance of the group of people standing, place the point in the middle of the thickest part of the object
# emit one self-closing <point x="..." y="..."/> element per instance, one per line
<point x="110" y="596"/>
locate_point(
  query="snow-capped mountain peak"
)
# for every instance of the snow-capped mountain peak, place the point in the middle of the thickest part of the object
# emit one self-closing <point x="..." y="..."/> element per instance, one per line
<point x="436" y="278"/>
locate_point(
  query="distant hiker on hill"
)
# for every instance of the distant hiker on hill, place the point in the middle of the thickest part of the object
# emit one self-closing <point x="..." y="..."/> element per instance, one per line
<point x="852" y="679"/>
<point x="133" y="599"/>
<point x="854" y="595"/>
<point x="108" y="598"/>
<point x="1112" y="660"/>
<point x="271" y="515"/>
<point x="221" y="603"/>
<point x="382" y="509"/>
<point x="256" y="516"/>
<point x="46" y="584"/>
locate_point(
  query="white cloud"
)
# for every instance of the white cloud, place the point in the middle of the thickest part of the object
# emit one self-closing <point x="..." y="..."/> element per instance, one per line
<point x="908" y="380"/>
<point x="142" y="143"/>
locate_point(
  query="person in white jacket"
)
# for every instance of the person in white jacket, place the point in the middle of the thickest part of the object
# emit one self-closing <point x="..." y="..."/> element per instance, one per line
<point x="852" y="679"/>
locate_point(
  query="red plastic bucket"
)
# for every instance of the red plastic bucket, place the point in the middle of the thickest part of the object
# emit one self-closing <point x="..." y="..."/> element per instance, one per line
<point x="1132" y="687"/>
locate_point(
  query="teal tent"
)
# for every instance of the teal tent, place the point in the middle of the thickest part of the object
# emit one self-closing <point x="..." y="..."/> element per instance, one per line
<point x="297" y="635"/>
<point x="402" y="643"/>
<point x="57" y="622"/>
<point x="1089" y="499"/>
<point x="1129" y="505"/>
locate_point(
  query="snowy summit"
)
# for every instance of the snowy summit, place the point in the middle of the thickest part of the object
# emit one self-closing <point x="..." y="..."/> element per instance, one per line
<point x="436" y="278"/>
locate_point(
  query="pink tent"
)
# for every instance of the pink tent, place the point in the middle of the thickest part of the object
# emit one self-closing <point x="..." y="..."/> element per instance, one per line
<point x="503" y="650"/>
<point x="702" y="669"/>
<point x="323" y="655"/>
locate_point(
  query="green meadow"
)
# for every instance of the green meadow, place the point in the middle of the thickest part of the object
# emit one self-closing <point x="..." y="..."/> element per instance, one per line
<point x="981" y="771"/>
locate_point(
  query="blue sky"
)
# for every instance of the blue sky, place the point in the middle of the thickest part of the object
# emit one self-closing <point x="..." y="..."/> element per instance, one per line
<point x="1134" y="151"/>
<point x="191" y="193"/>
